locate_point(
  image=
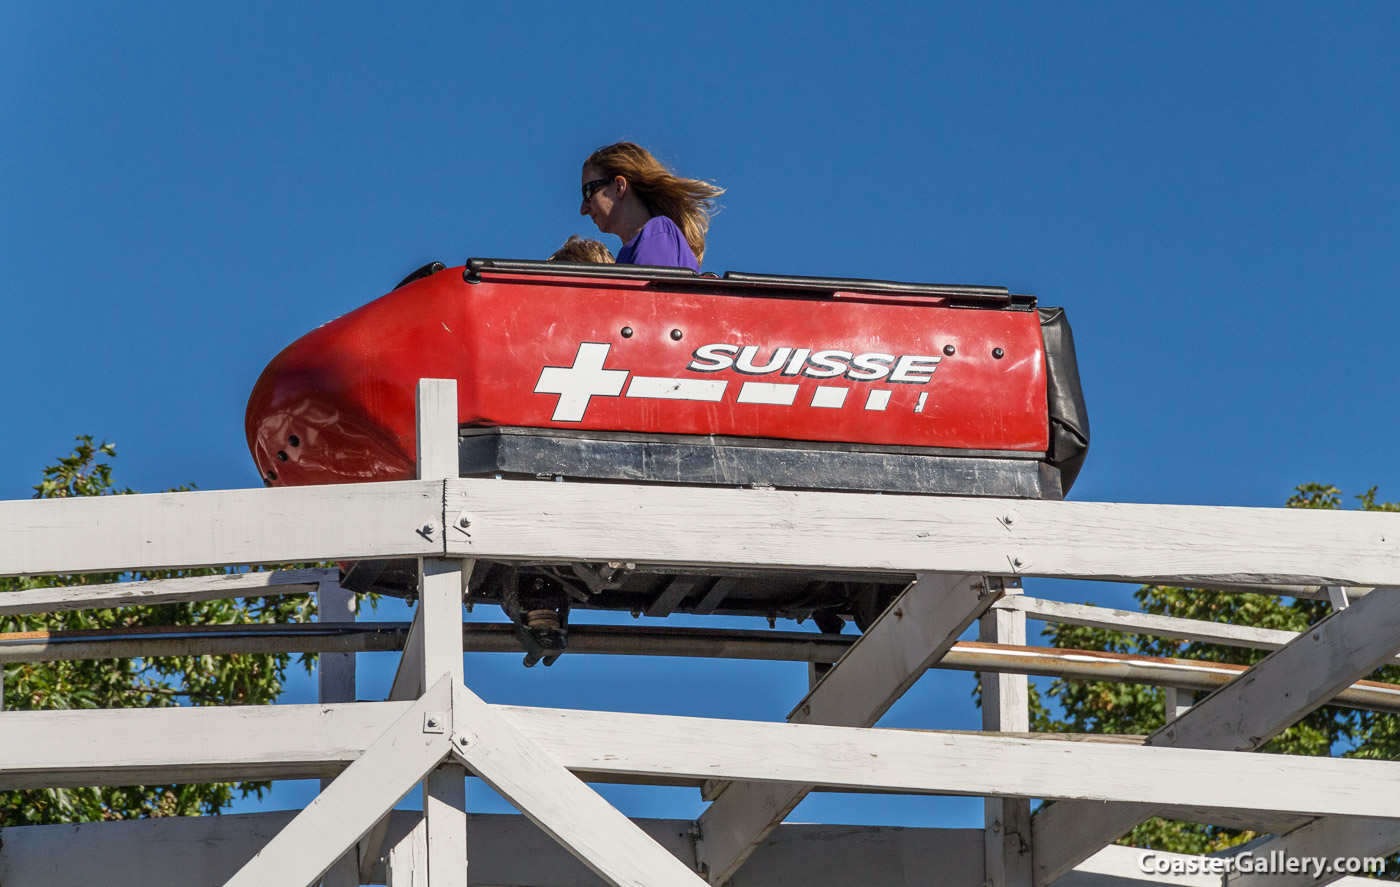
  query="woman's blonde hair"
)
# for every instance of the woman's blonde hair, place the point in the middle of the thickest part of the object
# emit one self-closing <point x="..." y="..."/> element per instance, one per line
<point x="687" y="202"/>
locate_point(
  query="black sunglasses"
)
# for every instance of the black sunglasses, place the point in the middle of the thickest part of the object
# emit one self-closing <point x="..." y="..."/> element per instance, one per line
<point x="590" y="187"/>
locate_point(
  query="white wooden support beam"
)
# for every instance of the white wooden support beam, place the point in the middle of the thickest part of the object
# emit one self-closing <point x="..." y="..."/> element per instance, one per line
<point x="1063" y="613"/>
<point x="440" y="585"/>
<point x="1243" y="715"/>
<point x="358" y="798"/>
<point x="914" y="632"/>
<point x="125" y="747"/>
<point x="1171" y="544"/>
<point x="1006" y="708"/>
<point x="78" y="747"/>
<point x="666" y="749"/>
<point x="1331" y="838"/>
<point x="101" y="534"/>
<point x="558" y="802"/>
<point x="163" y="591"/>
<point x="335" y="683"/>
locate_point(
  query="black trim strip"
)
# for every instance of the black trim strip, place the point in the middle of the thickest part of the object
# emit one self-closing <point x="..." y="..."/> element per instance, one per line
<point x="475" y="267"/>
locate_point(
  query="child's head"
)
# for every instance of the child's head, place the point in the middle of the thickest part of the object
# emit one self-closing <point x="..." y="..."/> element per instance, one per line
<point x="581" y="249"/>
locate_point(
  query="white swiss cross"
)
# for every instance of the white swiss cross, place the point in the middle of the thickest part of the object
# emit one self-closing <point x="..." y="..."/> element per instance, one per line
<point x="584" y="380"/>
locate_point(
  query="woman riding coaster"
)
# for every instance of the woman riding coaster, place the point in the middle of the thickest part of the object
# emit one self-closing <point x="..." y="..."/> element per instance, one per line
<point x="661" y="217"/>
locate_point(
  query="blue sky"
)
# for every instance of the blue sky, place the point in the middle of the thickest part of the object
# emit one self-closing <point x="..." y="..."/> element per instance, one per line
<point x="1212" y="191"/>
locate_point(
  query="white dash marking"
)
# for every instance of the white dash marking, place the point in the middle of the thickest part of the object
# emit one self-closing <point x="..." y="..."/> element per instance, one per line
<point x="879" y="399"/>
<point x="919" y="407"/>
<point x="660" y="388"/>
<point x="829" y="397"/>
<point x="768" y="392"/>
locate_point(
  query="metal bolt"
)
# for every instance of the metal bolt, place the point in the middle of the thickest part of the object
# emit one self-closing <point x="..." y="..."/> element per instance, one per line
<point x="428" y="529"/>
<point x="282" y="455"/>
<point x="627" y="332"/>
<point x="1016" y="562"/>
<point x="998" y="353"/>
<point x="1009" y="518"/>
<point x="464" y="522"/>
<point x="432" y="721"/>
<point x="949" y="350"/>
<point x="676" y="335"/>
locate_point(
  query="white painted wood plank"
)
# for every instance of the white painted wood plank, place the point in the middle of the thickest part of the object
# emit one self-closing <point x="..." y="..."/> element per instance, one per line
<point x="1006" y="707"/>
<point x="1167" y="543"/>
<point x="122" y="747"/>
<point x="1244" y="714"/>
<point x="940" y="762"/>
<point x="335" y="683"/>
<point x="440" y="610"/>
<point x="335" y="672"/>
<point x="914" y="632"/>
<point x="572" y="813"/>
<point x="203" y="744"/>
<point x="350" y="806"/>
<point x="199" y="529"/>
<point x="1247" y="636"/>
<point x="1331" y="837"/>
<point x="1150" y="623"/>
<point x="408" y="859"/>
<point x="440" y="587"/>
<point x="445" y="815"/>
<point x="163" y="591"/>
<point x="436" y="428"/>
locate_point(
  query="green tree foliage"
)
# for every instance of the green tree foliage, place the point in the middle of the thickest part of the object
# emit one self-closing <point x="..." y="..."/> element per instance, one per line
<point x="128" y="683"/>
<point x="1101" y="707"/>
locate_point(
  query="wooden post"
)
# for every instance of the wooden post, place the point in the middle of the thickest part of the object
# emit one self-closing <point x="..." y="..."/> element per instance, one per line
<point x="440" y="584"/>
<point x="408" y="859"/>
<point x="1006" y="708"/>
<point x="335" y="683"/>
<point x="1175" y="702"/>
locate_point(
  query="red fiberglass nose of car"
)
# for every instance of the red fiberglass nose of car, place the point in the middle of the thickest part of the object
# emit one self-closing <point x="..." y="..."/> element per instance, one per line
<point x="332" y="407"/>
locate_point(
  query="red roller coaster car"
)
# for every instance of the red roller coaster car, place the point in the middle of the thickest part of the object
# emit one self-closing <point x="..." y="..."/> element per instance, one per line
<point x="657" y="375"/>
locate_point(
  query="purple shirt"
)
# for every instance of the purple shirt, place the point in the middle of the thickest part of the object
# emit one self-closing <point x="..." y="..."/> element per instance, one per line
<point x="659" y="242"/>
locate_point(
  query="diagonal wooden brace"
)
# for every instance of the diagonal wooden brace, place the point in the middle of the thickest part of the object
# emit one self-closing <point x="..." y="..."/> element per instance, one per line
<point x="1241" y="716"/>
<point x="358" y="798"/>
<point x="911" y="635"/>
<point x="590" y="828"/>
